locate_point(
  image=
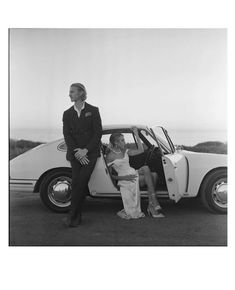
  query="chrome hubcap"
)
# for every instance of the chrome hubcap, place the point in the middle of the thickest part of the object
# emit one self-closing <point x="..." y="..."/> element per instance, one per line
<point x="59" y="191"/>
<point x="219" y="193"/>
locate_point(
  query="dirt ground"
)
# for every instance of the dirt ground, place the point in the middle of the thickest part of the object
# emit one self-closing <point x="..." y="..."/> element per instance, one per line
<point x="186" y="224"/>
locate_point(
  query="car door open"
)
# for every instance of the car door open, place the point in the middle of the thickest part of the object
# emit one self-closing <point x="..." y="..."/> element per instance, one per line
<point x="175" y="164"/>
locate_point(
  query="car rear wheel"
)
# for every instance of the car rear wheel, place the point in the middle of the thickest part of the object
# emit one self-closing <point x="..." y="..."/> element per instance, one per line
<point x="213" y="191"/>
<point x="55" y="190"/>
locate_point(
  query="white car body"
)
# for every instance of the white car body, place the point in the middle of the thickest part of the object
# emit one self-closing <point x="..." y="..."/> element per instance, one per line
<point x="184" y="171"/>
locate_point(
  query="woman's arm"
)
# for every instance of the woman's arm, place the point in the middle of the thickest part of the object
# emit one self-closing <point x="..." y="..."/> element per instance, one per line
<point x="140" y="147"/>
<point x="129" y="177"/>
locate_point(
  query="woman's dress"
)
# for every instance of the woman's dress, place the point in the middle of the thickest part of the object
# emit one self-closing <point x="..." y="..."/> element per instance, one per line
<point x="129" y="189"/>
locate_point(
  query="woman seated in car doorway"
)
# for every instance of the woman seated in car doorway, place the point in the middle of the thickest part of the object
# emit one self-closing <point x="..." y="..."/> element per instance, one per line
<point x="129" y="179"/>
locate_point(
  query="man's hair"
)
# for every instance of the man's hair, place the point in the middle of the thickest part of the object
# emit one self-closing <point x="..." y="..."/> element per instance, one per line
<point x="114" y="138"/>
<point x="82" y="88"/>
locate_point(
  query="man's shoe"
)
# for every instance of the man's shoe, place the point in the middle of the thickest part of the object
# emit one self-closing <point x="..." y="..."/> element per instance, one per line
<point x="66" y="221"/>
<point x="72" y="223"/>
<point x="76" y="222"/>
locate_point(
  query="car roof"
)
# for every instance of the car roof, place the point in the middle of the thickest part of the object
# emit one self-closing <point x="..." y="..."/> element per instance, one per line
<point x="122" y="126"/>
<point x="107" y="128"/>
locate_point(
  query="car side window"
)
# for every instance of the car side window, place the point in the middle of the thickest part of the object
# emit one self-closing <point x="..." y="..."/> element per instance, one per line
<point x="129" y="139"/>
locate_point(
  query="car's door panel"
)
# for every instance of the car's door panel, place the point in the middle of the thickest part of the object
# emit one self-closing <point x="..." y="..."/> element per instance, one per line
<point x="99" y="173"/>
<point x="175" y="164"/>
<point x="176" y="174"/>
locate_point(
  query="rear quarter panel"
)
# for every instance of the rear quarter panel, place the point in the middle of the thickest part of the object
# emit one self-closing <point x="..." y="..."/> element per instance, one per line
<point x="33" y="163"/>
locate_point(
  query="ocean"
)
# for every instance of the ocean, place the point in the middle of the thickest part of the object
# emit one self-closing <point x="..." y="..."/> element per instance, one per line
<point x="178" y="137"/>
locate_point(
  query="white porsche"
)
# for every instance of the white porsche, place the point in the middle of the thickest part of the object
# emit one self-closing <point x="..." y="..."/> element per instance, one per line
<point x="182" y="174"/>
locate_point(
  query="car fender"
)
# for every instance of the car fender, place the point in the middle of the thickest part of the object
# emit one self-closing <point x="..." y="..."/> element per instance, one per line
<point x="200" y="164"/>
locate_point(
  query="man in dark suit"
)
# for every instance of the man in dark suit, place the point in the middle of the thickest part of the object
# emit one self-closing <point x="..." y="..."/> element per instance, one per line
<point x="82" y="131"/>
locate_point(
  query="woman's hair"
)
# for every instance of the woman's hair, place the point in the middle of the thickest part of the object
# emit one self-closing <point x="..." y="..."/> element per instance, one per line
<point x="82" y="88"/>
<point x="114" y="137"/>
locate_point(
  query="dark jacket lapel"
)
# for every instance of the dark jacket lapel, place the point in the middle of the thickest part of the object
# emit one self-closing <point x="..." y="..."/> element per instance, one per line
<point x="84" y="111"/>
<point x="73" y="115"/>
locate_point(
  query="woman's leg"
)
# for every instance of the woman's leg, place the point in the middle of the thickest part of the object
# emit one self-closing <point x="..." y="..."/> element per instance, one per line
<point x="154" y="177"/>
<point x="146" y="178"/>
<point x="150" y="179"/>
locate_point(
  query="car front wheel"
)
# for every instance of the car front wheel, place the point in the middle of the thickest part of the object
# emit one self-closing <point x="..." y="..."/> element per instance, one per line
<point x="55" y="190"/>
<point x="213" y="191"/>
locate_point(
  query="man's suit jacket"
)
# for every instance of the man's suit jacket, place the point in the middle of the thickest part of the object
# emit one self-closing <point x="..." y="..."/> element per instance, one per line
<point x="82" y="132"/>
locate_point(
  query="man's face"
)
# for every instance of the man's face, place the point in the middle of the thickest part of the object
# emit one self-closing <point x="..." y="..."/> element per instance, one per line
<point x="75" y="94"/>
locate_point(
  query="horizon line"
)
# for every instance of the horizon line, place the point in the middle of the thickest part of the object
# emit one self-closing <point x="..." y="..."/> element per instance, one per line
<point x="167" y="128"/>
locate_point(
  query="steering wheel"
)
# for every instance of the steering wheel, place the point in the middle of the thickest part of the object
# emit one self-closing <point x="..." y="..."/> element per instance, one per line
<point x="149" y="154"/>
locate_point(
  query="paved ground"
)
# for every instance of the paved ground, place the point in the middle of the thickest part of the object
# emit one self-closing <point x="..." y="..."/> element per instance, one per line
<point x="186" y="224"/>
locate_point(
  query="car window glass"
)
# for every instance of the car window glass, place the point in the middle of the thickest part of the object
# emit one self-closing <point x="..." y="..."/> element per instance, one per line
<point x="158" y="131"/>
<point x="149" y="138"/>
<point x="129" y="139"/>
<point x="152" y="141"/>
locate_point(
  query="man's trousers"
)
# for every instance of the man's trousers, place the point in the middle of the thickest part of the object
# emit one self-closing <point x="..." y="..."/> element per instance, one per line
<point x="80" y="178"/>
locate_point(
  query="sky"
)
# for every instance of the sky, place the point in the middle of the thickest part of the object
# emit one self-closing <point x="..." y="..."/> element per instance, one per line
<point x="170" y="77"/>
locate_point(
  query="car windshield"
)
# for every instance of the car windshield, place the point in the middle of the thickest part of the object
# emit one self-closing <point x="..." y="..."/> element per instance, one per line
<point x="163" y="137"/>
<point x="151" y="139"/>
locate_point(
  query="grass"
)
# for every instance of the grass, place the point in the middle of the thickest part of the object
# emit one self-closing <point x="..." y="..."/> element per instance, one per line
<point x="18" y="147"/>
<point x="208" y="147"/>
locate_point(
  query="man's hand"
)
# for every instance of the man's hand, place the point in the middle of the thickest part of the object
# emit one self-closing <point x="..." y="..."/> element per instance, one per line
<point x="83" y="160"/>
<point x="81" y="156"/>
<point x="80" y="152"/>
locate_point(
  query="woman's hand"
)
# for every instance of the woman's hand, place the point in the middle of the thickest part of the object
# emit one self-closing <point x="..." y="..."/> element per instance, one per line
<point x="130" y="177"/>
<point x="140" y="148"/>
<point x="135" y="130"/>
